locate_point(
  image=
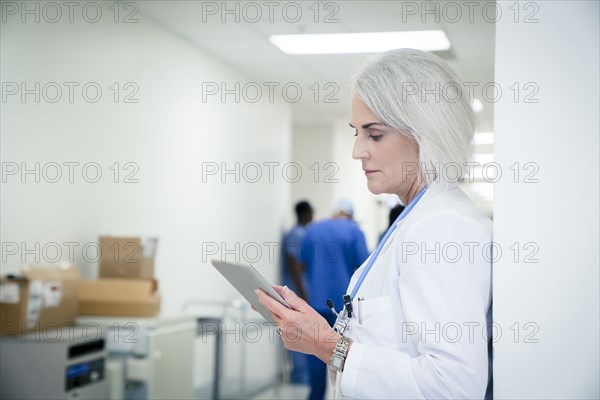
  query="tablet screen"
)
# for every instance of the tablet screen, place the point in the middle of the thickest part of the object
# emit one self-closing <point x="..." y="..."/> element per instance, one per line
<point x="246" y="279"/>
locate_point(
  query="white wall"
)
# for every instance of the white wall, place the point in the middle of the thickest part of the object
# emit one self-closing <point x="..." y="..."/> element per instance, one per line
<point x="559" y="295"/>
<point x="169" y="134"/>
<point x="311" y="149"/>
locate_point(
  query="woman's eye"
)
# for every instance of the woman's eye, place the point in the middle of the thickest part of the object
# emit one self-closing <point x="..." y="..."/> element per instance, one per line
<point x="376" y="138"/>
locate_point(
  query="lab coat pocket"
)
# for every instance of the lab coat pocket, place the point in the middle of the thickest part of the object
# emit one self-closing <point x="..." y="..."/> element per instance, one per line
<point x="371" y="308"/>
<point x="375" y="320"/>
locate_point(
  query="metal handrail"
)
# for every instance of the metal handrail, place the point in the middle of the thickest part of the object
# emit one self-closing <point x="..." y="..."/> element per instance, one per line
<point x="236" y="304"/>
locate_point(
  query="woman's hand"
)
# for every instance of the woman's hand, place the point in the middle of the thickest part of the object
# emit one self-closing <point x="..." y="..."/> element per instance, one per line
<point x="302" y="328"/>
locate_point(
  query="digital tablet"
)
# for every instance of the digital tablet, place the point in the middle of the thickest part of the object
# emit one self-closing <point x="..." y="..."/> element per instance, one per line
<point x="246" y="280"/>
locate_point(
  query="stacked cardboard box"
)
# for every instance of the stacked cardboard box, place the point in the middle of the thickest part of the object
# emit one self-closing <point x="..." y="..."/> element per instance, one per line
<point x="126" y="286"/>
<point x="39" y="298"/>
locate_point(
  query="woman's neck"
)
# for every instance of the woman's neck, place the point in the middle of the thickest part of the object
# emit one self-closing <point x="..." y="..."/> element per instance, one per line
<point x="412" y="192"/>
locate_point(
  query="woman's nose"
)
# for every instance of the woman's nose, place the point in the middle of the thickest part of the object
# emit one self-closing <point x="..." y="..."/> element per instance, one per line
<point x="359" y="151"/>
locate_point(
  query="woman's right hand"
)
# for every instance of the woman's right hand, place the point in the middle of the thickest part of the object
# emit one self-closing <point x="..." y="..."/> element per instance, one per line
<point x="302" y="328"/>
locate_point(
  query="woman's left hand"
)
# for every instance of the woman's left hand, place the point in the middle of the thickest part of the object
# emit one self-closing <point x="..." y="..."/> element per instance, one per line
<point x="302" y="328"/>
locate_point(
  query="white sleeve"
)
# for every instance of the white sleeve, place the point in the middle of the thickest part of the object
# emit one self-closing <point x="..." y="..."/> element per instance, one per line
<point x="447" y="302"/>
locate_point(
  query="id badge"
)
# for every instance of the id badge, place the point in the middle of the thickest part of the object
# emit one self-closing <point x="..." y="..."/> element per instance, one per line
<point x="341" y="325"/>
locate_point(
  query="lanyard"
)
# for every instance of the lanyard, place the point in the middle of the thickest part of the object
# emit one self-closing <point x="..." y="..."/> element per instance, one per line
<point x="389" y="232"/>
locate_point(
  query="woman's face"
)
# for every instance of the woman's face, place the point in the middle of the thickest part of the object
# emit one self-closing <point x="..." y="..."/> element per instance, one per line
<point x="389" y="158"/>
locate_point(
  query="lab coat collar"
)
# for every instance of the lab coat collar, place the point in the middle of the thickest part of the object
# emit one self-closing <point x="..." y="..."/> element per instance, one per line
<point x="422" y="206"/>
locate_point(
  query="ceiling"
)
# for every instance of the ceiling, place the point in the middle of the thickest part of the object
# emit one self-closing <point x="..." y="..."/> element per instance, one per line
<point x="240" y="39"/>
<point x="237" y="32"/>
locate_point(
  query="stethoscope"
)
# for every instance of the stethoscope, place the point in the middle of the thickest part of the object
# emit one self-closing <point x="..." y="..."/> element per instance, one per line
<point x="343" y="317"/>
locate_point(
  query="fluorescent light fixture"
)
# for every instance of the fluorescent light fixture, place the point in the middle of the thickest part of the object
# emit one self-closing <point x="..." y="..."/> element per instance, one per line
<point x="476" y="174"/>
<point x="484" y="138"/>
<point x="484" y="158"/>
<point x="350" y="43"/>
<point x="477" y="105"/>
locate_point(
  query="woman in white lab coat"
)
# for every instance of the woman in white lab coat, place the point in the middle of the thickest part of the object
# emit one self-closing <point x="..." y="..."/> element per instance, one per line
<point x="421" y="304"/>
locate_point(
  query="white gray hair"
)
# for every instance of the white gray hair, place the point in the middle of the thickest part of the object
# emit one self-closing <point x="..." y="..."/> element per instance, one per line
<point x="418" y="94"/>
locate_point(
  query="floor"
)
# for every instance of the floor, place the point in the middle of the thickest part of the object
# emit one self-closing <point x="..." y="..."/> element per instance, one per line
<point x="289" y="392"/>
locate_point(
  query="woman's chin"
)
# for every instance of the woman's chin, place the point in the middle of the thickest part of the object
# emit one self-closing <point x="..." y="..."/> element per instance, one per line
<point x="374" y="188"/>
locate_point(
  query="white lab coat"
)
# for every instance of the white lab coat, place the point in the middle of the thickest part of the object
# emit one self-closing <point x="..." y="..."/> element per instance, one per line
<point x="421" y="330"/>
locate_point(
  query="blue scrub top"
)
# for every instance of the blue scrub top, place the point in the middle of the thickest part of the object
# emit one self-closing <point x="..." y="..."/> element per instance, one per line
<point x="331" y="251"/>
<point x="292" y="242"/>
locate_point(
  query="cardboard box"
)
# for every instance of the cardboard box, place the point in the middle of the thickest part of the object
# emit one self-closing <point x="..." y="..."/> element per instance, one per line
<point x="123" y="257"/>
<point x="40" y="298"/>
<point x="119" y="297"/>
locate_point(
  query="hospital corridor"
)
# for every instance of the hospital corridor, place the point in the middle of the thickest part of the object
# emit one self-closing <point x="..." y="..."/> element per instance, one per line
<point x="386" y="199"/>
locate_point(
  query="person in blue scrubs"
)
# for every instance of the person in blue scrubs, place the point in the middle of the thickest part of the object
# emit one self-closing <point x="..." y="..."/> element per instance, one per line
<point x="332" y="250"/>
<point x="292" y="277"/>
<point x="395" y="212"/>
<point x="292" y="241"/>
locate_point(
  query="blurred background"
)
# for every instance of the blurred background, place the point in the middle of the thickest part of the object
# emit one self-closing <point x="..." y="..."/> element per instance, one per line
<point x="187" y="130"/>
